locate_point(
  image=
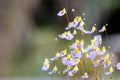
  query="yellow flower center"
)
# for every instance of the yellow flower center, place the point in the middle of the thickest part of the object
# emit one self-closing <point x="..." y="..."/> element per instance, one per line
<point x="76" y="50"/>
<point x="64" y="10"/>
<point x="69" y="57"/>
<point x="111" y="69"/>
<point x="57" y="55"/>
<point x="64" y="51"/>
<point x="76" y="68"/>
<point x="85" y="74"/>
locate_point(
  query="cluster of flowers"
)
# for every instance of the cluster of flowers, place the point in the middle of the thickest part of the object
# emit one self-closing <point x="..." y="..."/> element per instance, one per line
<point x="78" y="53"/>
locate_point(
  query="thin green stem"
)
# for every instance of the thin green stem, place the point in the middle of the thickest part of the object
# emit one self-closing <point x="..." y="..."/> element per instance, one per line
<point x="66" y="5"/>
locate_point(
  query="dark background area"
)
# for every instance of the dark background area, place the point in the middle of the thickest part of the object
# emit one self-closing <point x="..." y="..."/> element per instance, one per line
<point x="46" y="13"/>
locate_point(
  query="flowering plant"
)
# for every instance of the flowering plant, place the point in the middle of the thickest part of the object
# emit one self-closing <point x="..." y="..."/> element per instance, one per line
<point x="77" y="56"/>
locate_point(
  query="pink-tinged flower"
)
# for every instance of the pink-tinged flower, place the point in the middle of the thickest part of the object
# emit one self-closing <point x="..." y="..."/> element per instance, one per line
<point x="66" y="70"/>
<point x="93" y="55"/>
<point x="72" y="72"/>
<point x="89" y="32"/>
<point x="105" y="61"/>
<point x="69" y="73"/>
<point x="77" y="44"/>
<point x="81" y="26"/>
<point x="69" y="61"/>
<point x="98" y="39"/>
<point x="96" y="62"/>
<point x="66" y="35"/>
<point x="86" y="32"/>
<point x="101" y="51"/>
<point x="69" y="26"/>
<point x="110" y="71"/>
<point x="88" y="48"/>
<point x="62" y="12"/>
<point x="102" y="29"/>
<point x="73" y="46"/>
<point x="106" y="64"/>
<point x="59" y="54"/>
<point x="54" y="70"/>
<point x="118" y="66"/>
<point x="76" y="53"/>
<point x="63" y="53"/>
<point x="73" y="24"/>
<point x="45" y="65"/>
<point x="85" y="76"/>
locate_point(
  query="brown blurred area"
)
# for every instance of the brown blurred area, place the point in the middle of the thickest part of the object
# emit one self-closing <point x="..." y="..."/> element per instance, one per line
<point x="16" y="26"/>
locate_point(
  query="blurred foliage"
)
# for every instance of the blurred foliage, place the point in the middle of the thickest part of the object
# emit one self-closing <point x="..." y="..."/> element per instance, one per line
<point x="29" y="58"/>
